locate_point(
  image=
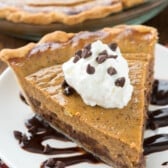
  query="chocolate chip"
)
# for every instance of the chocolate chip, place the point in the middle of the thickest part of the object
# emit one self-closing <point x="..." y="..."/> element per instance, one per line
<point x="68" y="91"/>
<point x="86" y="53"/>
<point x="89" y="53"/>
<point x="112" y="56"/>
<point x="120" y="82"/>
<point x="101" y="58"/>
<point x="111" y="71"/>
<point x="113" y="46"/>
<point x="64" y="84"/>
<point x="104" y="52"/>
<point x="79" y="53"/>
<point x="90" y="69"/>
<point x="47" y="149"/>
<point x="88" y="47"/>
<point x="76" y="59"/>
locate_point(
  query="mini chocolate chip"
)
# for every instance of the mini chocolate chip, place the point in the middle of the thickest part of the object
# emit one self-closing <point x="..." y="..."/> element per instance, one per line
<point x="89" y="53"/>
<point x="88" y="47"/>
<point x="90" y="69"/>
<point x="113" y="46"/>
<point x="79" y="53"/>
<point x="86" y="53"/>
<point x="111" y="71"/>
<point x="120" y="82"/>
<point x="112" y="56"/>
<point x="68" y="91"/>
<point x="64" y="84"/>
<point x="101" y="58"/>
<point x="76" y="59"/>
<point x="104" y="52"/>
<point x="47" y="149"/>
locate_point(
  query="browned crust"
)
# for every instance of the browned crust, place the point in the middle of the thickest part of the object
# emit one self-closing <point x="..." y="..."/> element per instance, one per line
<point x="121" y="34"/>
<point x="130" y="3"/>
<point x="88" y="143"/>
<point x="18" y="15"/>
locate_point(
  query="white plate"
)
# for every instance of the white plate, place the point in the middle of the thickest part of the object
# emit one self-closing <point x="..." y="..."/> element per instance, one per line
<point x="13" y="113"/>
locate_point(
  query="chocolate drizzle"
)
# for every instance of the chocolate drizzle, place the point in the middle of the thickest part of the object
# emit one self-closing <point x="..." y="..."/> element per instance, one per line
<point x="165" y="164"/>
<point x="23" y="98"/>
<point x="3" y="165"/>
<point x="40" y="131"/>
<point x="160" y="93"/>
<point x="157" y="118"/>
<point x="67" y="161"/>
<point x="156" y="143"/>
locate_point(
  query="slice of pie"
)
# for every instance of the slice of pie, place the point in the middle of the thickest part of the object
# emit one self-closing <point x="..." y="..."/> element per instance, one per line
<point x="69" y="12"/>
<point x="114" y="135"/>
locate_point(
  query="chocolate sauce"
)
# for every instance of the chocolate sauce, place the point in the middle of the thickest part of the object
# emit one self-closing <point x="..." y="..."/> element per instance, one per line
<point x="156" y="143"/>
<point x="23" y="98"/>
<point x="68" y="161"/>
<point x="157" y="118"/>
<point x="165" y="164"/>
<point x="3" y="165"/>
<point x="67" y="90"/>
<point x="160" y="93"/>
<point x="41" y="131"/>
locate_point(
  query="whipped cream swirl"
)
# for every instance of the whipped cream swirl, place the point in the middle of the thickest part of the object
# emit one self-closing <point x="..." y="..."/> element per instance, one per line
<point x="99" y="74"/>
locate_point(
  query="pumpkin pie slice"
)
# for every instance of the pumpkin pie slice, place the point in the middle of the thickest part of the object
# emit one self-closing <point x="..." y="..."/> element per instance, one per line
<point x="114" y="135"/>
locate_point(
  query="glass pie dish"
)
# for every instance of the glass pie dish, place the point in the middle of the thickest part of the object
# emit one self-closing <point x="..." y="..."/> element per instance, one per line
<point x="136" y="15"/>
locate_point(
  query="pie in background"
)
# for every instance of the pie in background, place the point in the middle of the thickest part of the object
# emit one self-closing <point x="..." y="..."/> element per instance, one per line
<point x="69" y="12"/>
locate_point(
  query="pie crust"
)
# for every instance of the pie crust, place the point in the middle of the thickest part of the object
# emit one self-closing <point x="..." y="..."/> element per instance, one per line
<point x="69" y="12"/>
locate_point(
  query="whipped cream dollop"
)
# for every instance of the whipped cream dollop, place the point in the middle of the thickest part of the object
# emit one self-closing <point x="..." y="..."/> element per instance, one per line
<point x="99" y="74"/>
